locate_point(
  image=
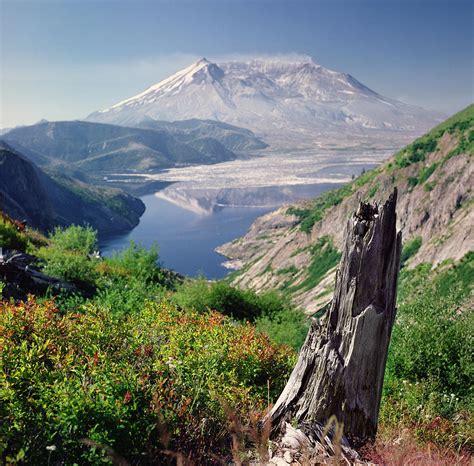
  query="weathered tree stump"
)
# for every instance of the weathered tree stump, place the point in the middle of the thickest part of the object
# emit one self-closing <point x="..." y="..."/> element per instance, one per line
<point x="341" y="365"/>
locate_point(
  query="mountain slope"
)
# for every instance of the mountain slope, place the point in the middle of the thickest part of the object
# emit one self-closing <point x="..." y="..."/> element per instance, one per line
<point x="232" y="137"/>
<point x="296" y="249"/>
<point x="101" y="147"/>
<point x="293" y="102"/>
<point x="47" y="201"/>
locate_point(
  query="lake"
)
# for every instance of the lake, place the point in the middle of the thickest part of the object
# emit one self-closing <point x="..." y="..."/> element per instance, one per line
<point x="187" y="239"/>
<point x="204" y="206"/>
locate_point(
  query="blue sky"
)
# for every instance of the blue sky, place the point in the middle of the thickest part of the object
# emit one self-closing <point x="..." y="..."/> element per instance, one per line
<point x="65" y="59"/>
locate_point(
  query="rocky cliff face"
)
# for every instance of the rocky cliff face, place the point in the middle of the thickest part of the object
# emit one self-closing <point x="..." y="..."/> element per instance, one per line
<point x="296" y="249"/>
<point x="49" y="200"/>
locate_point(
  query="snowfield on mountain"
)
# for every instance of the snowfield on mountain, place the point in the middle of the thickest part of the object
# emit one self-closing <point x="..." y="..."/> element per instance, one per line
<point x="292" y="103"/>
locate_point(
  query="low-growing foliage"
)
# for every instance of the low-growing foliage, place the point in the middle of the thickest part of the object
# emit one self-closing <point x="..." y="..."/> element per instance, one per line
<point x="288" y="326"/>
<point x="10" y="237"/>
<point x="417" y="151"/>
<point x="310" y="216"/>
<point x="291" y="270"/>
<point x="428" y="381"/>
<point x="410" y="248"/>
<point x="202" y="295"/>
<point x="324" y="256"/>
<point x="120" y="383"/>
<point x="272" y="312"/>
<point x="70" y="254"/>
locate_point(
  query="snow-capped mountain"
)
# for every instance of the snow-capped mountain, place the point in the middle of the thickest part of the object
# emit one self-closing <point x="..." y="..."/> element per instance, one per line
<point x="282" y="101"/>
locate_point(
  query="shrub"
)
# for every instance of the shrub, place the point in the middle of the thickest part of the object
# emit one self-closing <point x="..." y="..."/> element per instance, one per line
<point x="10" y="237"/>
<point x="319" y="206"/>
<point x="291" y="270"/>
<point x="288" y="326"/>
<point x="272" y="312"/>
<point x="373" y="190"/>
<point x="410" y="248"/>
<point x="69" y="253"/>
<point x="429" y="367"/>
<point x="135" y="261"/>
<point x="203" y="295"/>
<point x="412" y="182"/>
<point x="417" y="151"/>
<point x="128" y="384"/>
<point x="130" y="278"/>
<point x="426" y="172"/>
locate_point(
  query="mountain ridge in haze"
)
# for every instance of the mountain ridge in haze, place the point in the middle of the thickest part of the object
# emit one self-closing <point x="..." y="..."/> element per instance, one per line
<point x="93" y="147"/>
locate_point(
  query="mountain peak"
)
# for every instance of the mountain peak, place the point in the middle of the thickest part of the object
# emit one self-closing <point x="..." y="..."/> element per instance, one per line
<point x="274" y="96"/>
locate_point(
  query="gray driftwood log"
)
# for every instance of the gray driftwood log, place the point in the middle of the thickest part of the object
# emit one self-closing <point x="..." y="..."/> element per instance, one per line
<point x="341" y="365"/>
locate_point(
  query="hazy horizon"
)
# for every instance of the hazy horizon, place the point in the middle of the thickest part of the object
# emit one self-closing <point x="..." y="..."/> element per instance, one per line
<point x="64" y="60"/>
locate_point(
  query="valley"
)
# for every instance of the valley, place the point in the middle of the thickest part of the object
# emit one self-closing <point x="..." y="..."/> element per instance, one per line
<point x="296" y="249"/>
<point x="203" y="207"/>
<point x="163" y="259"/>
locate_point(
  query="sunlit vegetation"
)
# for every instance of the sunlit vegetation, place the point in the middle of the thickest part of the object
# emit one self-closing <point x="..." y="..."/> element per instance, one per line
<point x="428" y="381"/>
<point x="159" y="379"/>
<point x="410" y="248"/>
<point x="460" y="125"/>
<point x="324" y="257"/>
<point x="145" y="365"/>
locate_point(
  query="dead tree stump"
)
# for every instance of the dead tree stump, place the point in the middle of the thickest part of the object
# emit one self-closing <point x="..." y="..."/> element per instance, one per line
<point x="341" y="365"/>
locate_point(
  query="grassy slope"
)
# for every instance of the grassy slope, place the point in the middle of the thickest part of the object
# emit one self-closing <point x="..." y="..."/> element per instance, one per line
<point x="435" y="207"/>
<point x="460" y="124"/>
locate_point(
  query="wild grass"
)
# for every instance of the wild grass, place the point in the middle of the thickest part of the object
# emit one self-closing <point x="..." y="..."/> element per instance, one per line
<point x="324" y="256"/>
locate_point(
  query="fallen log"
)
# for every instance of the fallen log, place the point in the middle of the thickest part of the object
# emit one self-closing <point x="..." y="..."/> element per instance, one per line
<point x="341" y="365"/>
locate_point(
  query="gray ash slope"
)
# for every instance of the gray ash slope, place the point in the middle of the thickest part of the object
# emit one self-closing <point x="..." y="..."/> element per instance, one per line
<point x="292" y="103"/>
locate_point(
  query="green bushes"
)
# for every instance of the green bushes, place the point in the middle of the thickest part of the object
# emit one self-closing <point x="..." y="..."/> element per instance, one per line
<point x="426" y="172"/>
<point x="326" y="200"/>
<point x="123" y="282"/>
<point x="423" y="175"/>
<point x="129" y="384"/>
<point x="291" y="270"/>
<point x="430" y="368"/>
<point x="410" y="248"/>
<point x="289" y="326"/>
<point x="430" y="342"/>
<point x="417" y="151"/>
<point x="271" y="312"/>
<point x="310" y="215"/>
<point x="324" y="256"/>
<point x="10" y="237"/>
<point x="203" y="295"/>
<point x="130" y="278"/>
<point x="135" y="261"/>
<point x="70" y="254"/>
